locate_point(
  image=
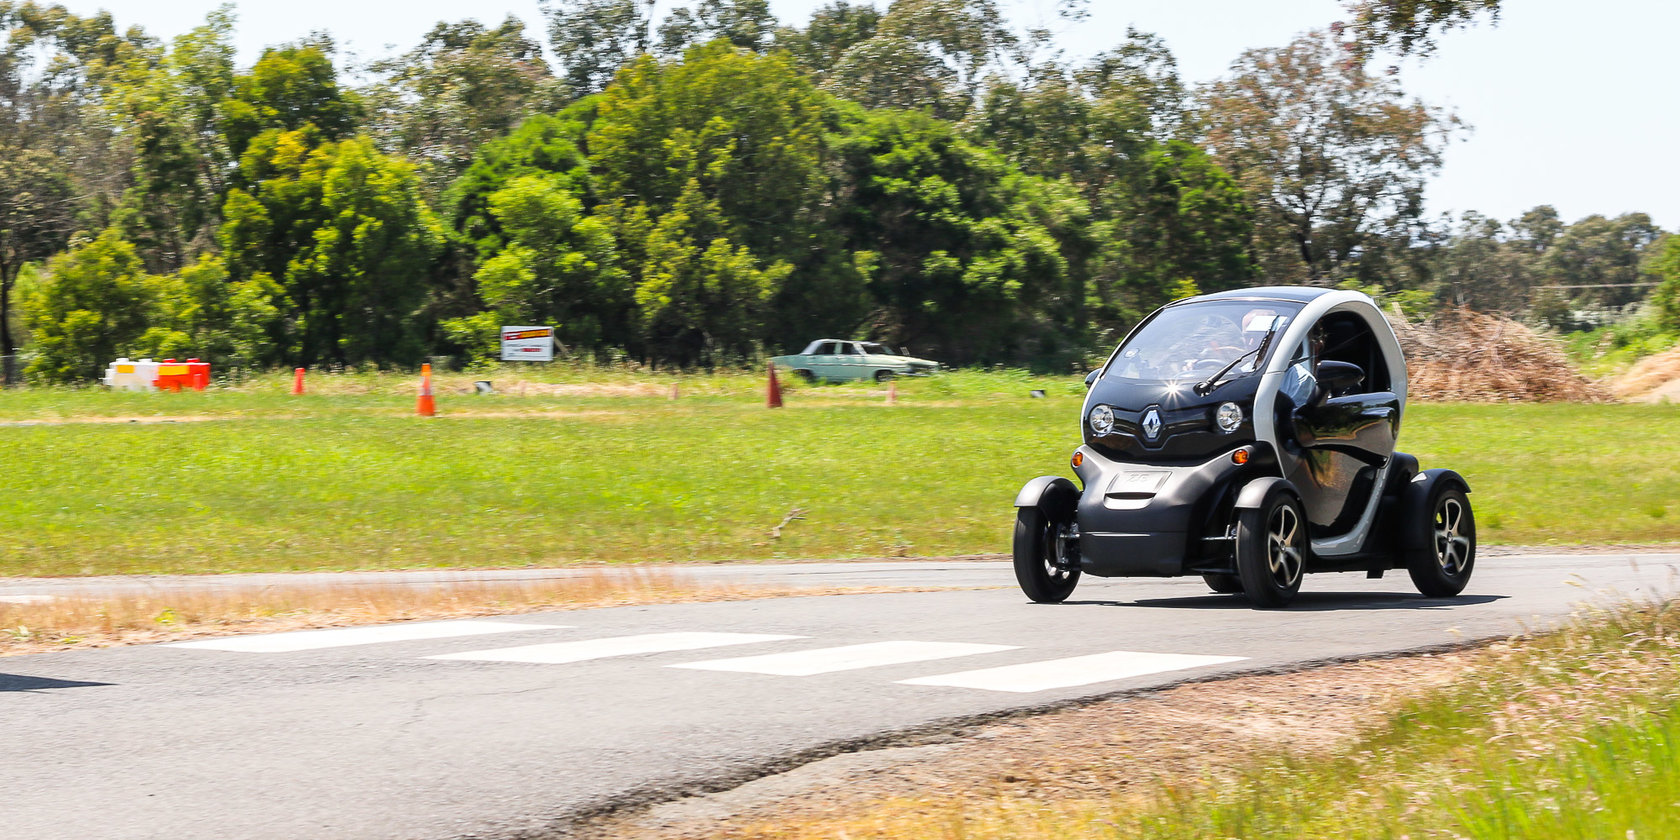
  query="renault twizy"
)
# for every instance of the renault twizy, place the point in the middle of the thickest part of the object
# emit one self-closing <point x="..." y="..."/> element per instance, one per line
<point x="1247" y="437"/>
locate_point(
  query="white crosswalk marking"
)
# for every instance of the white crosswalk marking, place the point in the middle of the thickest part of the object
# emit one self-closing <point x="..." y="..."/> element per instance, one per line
<point x="562" y="652"/>
<point x="806" y="663"/>
<point x="347" y="636"/>
<point x="1075" y="671"/>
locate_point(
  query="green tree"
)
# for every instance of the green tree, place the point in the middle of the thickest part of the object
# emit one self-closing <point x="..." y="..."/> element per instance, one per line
<point x="1665" y="266"/>
<point x="171" y="101"/>
<point x="747" y="129"/>
<point x="464" y="85"/>
<point x="701" y="298"/>
<point x="1333" y="159"/>
<point x="832" y="30"/>
<point x="1486" y="266"/>
<point x="1410" y="26"/>
<point x="91" y="306"/>
<point x="290" y="88"/>
<point x="746" y="24"/>
<point x="965" y="256"/>
<point x="61" y="159"/>
<point x="1181" y="217"/>
<point x="37" y="213"/>
<point x="345" y="233"/>
<point x="931" y="55"/>
<point x="1164" y="212"/>
<point x="1602" y="259"/>
<point x="543" y="144"/>
<point x="199" y="312"/>
<point x="738" y="141"/>
<point x="594" y="38"/>
<point x="1537" y="229"/>
<point x="559" y="267"/>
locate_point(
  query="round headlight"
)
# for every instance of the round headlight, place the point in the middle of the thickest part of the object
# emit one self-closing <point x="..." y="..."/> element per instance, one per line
<point x="1229" y="417"/>
<point x="1102" y="419"/>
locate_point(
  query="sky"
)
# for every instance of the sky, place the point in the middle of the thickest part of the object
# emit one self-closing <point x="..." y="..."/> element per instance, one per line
<point x="1570" y="104"/>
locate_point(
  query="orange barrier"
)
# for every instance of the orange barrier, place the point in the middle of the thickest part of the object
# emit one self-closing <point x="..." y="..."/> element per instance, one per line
<point x="773" y="396"/>
<point x="173" y="375"/>
<point x="426" y="407"/>
<point x="297" y="382"/>
<point x="892" y="392"/>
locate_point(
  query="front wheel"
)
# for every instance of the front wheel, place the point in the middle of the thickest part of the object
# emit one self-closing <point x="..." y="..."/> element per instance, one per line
<point x="1042" y="547"/>
<point x="883" y="376"/>
<point x="1442" y="568"/>
<point x="1272" y="549"/>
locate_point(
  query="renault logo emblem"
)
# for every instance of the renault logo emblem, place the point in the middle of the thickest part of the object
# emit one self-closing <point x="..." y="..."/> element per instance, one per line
<point x="1152" y="424"/>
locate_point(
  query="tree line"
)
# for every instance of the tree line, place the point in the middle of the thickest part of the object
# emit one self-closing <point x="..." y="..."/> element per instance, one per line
<point x="712" y="186"/>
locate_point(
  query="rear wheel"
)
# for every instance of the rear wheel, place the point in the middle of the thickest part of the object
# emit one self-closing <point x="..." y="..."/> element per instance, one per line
<point x="1223" y="584"/>
<point x="1043" y="546"/>
<point x="1272" y="549"/>
<point x="1442" y="568"/>
<point x="883" y="375"/>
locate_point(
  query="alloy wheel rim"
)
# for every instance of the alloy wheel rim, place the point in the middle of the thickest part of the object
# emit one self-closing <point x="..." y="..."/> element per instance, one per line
<point x="1452" y="542"/>
<point x="1055" y="548"/>
<point x="1283" y="549"/>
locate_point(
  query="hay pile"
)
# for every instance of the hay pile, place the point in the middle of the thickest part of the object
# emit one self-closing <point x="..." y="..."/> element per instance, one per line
<point x="1466" y="356"/>
<point x="1653" y="379"/>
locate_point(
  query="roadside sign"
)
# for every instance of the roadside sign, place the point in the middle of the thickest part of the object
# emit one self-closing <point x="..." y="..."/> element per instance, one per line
<point x="527" y="344"/>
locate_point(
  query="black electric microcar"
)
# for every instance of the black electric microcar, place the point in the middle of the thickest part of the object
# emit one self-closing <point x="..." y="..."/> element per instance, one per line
<point x="1247" y="437"/>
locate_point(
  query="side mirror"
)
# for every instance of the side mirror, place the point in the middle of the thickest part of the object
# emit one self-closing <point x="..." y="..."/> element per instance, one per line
<point x="1091" y="378"/>
<point x="1337" y="376"/>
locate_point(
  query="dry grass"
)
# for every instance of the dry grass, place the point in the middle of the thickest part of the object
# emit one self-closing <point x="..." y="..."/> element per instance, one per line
<point x="1467" y="356"/>
<point x="144" y="618"/>
<point x="1651" y="378"/>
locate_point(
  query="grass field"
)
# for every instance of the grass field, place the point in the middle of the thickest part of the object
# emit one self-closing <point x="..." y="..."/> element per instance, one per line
<point x="603" y="466"/>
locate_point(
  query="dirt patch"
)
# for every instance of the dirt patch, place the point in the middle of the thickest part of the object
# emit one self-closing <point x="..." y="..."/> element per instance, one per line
<point x="1652" y="379"/>
<point x="1093" y="752"/>
<point x="526" y="388"/>
<point x="457" y="413"/>
<point x="65" y="421"/>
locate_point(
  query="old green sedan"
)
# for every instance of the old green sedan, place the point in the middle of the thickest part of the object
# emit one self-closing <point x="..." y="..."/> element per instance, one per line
<point x="838" y="360"/>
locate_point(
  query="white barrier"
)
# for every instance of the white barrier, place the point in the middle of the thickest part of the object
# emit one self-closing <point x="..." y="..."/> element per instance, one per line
<point x="125" y="375"/>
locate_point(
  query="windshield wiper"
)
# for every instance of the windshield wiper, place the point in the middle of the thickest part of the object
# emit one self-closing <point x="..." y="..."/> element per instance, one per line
<point x="1206" y="386"/>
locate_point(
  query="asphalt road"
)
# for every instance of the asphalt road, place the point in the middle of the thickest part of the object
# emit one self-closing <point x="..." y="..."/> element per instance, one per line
<point x="516" y="727"/>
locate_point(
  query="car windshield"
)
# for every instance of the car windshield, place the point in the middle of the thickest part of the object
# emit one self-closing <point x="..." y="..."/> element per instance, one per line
<point x="874" y="349"/>
<point x="1197" y="340"/>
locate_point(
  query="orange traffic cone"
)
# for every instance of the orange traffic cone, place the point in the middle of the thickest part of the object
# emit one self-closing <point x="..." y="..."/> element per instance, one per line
<point x="297" y="382"/>
<point x="426" y="407"/>
<point x="673" y="390"/>
<point x="773" y="398"/>
<point x="892" y="392"/>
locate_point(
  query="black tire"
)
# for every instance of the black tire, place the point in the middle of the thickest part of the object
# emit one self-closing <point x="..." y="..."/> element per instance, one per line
<point x="883" y="376"/>
<point x="1223" y="584"/>
<point x="1272" y="548"/>
<point x="806" y="375"/>
<point x="1441" y="569"/>
<point x="1036" y="537"/>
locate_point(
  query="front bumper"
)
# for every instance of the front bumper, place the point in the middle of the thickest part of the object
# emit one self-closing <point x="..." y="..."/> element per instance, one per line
<point x="1148" y="520"/>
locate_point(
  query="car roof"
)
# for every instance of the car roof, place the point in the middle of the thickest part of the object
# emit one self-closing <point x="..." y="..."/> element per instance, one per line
<point x="1297" y="294"/>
